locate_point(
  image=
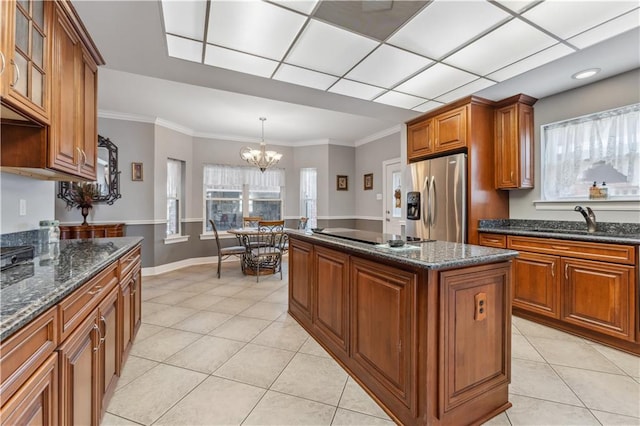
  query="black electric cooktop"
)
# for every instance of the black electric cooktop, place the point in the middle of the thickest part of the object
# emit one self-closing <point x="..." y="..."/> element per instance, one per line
<point x="368" y="237"/>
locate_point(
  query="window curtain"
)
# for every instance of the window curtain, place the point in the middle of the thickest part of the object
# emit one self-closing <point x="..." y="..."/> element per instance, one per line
<point x="229" y="176"/>
<point x="309" y="195"/>
<point x="599" y="147"/>
<point x="174" y="178"/>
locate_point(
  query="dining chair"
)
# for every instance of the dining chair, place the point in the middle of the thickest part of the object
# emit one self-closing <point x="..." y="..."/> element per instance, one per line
<point x="264" y="247"/>
<point x="250" y="221"/>
<point x="226" y="252"/>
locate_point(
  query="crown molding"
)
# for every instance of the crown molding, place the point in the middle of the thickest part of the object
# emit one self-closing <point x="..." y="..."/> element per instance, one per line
<point x="378" y="135"/>
<point x="173" y="126"/>
<point x="114" y="115"/>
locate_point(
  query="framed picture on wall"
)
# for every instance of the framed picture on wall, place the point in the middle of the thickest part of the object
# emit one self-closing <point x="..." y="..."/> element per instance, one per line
<point x="342" y="183"/>
<point x="368" y="181"/>
<point x="136" y="171"/>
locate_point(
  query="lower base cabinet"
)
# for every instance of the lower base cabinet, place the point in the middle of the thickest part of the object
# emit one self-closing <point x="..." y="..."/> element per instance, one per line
<point x="410" y="336"/>
<point x="78" y="376"/>
<point x="36" y="403"/>
<point x="535" y="283"/>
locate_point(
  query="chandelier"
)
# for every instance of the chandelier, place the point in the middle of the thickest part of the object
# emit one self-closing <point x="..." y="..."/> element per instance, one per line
<point x="261" y="158"/>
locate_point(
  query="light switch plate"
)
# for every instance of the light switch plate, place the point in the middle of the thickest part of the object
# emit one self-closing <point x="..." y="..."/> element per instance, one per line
<point x="378" y="196"/>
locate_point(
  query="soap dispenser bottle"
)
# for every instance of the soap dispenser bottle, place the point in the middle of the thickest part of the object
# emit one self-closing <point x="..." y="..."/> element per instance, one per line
<point x="604" y="191"/>
<point x="594" y="192"/>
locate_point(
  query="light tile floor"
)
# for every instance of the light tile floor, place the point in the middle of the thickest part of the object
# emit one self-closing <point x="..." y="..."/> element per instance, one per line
<point x="224" y="351"/>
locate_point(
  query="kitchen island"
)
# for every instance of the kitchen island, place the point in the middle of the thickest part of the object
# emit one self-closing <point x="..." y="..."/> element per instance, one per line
<point x="67" y="321"/>
<point x="424" y="328"/>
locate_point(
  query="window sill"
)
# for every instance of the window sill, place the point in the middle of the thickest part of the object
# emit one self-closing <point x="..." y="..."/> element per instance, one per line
<point x="602" y="205"/>
<point x="176" y="239"/>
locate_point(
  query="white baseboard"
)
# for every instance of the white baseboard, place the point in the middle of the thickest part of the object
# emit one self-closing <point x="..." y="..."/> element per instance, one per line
<point x="168" y="267"/>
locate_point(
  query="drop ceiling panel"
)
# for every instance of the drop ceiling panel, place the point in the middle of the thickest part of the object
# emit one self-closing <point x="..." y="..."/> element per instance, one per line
<point x="183" y="48"/>
<point x="304" y="77"/>
<point x="377" y="19"/>
<point x="329" y="49"/>
<point x="505" y="45"/>
<point x="356" y="90"/>
<point x="466" y="90"/>
<point x="386" y="66"/>
<point x="516" y="5"/>
<point x="237" y="61"/>
<point x="568" y="18"/>
<point x="254" y="27"/>
<point x="184" y="18"/>
<point x="428" y="106"/>
<point x="550" y="54"/>
<point x="400" y="100"/>
<point x="302" y="6"/>
<point x="443" y="26"/>
<point x="607" y="30"/>
<point x="435" y="81"/>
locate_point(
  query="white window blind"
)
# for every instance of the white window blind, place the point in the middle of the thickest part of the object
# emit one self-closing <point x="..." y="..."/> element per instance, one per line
<point x="309" y="196"/>
<point x="601" y="147"/>
<point x="174" y="196"/>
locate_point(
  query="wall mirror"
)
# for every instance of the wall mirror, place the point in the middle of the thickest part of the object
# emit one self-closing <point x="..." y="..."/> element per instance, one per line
<point x="107" y="176"/>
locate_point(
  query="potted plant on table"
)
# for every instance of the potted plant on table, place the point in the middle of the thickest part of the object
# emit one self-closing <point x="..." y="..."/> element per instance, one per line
<point x="83" y="195"/>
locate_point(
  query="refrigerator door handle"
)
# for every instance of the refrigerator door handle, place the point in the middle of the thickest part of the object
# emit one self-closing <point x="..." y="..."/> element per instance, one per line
<point x="432" y="202"/>
<point x="426" y="216"/>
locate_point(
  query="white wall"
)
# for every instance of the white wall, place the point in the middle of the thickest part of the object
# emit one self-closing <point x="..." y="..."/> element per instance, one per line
<point x="341" y="162"/>
<point x="315" y="156"/>
<point x="613" y="92"/>
<point x="39" y="196"/>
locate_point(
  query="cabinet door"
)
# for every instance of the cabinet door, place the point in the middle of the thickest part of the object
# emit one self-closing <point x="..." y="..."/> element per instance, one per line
<point x="127" y="304"/>
<point x="88" y="117"/>
<point x="79" y="396"/>
<point x="136" y="300"/>
<point x="599" y="296"/>
<point x="450" y="129"/>
<point x="331" y="286"/>
<point x="7" y="18"/>
<point x="536" y="283"/>
<point x="514" y="147"/>
<point x="64" y="154"/>
<point x="382" y="335"/>
<point x="36" y="402"/>
<point x="109" y="353"/>
<point x="420" y="139"/>
<point x="300" y="279"/>
<point x="26" y="57"/>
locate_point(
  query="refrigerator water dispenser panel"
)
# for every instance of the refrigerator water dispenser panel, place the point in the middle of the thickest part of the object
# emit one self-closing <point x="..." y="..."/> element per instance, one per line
<point x="413" y="205"/>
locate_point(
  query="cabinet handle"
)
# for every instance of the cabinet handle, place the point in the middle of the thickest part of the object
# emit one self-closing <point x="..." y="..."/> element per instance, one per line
<point x="96" y="328"/>
<point x="103" y="336"/>
<point x="84" y="157"/>
<point x="4" y="63"/>
<point x="15" y="66"/>
<point x="511" y="174"/>
<point x="553" y="269"/>
<point x="560" y="247"/>
<point x="566" y="271"/>
<point x="95" y="290"/>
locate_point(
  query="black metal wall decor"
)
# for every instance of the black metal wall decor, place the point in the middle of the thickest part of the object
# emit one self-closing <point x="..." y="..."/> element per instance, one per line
<point x="111" y="183"/>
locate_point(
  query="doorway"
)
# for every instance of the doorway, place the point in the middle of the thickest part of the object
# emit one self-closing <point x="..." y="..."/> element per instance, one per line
<point x="392" y="196"/>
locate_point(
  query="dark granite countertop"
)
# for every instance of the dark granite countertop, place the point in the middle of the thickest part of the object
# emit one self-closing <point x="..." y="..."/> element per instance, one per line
<point x="30" y="289"/>
<point x="427" y="254"/>
<point x="607" y="232"/>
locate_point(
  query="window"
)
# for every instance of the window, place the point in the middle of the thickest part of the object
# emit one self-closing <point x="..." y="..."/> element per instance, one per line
<point x="174" y="196"/>
<point x="231" y="192"/>
<point x="601" y="147"/>
<point x="309" y="196"/>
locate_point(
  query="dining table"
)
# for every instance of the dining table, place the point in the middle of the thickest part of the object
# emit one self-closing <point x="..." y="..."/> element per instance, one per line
<point x="244" y="236"/>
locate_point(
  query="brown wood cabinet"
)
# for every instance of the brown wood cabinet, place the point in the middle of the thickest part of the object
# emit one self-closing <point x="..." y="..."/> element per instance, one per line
<point x="409" y="336"/>
<point x="49" y="126"/>
<point x="514" y="142"/>
<point x="420" y="139"/>
<point x="331" y="293"/>
<point x="73" y="384"/>
<point x="585" y="288"/>
<point x="70" y="232"/>
<point x="25" y="62"/>
<point x="441" y="133"/>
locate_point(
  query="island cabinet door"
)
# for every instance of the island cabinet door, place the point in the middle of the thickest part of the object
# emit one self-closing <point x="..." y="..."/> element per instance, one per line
<point x="300" y="280"/>
<point x="383" y="315"/>
<point x="110" y="353"/>
<point x="536" y="285"/>
<point x="475" y="339"/>
<point x="331" y="308"/>
<point x="599" y="296"/>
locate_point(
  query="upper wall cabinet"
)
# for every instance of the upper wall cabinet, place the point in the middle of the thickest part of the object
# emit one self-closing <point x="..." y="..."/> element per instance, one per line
<point x="24" y="58"/>
<point x="60" y="143"/>
<point x="443" y="132"/>
<point x="514" y="142"/>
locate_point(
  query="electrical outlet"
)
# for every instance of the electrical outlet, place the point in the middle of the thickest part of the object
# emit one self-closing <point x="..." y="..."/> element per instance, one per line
<point x="23" y="207"/>
<point x="378" y="196"/>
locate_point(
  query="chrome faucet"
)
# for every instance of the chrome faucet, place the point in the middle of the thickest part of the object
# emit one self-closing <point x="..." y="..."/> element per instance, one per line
<point x="589" y="216"/>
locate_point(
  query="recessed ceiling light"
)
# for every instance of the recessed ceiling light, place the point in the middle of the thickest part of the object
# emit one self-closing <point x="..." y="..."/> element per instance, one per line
<point x="586" y="73"/>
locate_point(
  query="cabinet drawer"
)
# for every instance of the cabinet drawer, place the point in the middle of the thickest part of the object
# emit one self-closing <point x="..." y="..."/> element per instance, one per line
<point x="580" y="249"/>
<point x="493" y="240"/>
<point x="24" y="352"/>
<point x="129" y="261"/>
<point x="75" y="307"/>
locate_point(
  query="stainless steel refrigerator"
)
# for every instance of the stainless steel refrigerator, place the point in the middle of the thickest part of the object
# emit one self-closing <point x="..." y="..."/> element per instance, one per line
<point x="437" y="199"/>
